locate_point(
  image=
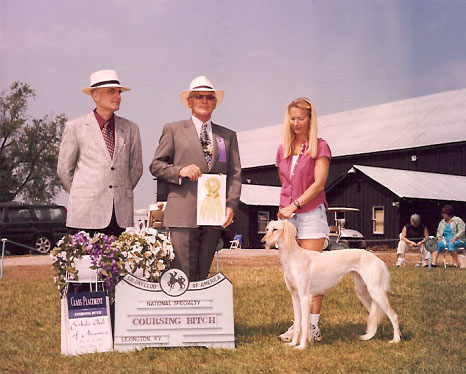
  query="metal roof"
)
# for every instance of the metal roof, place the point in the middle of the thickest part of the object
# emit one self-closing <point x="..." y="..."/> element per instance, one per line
<point x="422" y="121"/>
<point x="417" y="184"/>
<point x="260" y="195"/>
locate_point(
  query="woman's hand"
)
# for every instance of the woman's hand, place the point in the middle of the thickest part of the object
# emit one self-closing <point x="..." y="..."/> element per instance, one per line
<point x="287" y="211"/>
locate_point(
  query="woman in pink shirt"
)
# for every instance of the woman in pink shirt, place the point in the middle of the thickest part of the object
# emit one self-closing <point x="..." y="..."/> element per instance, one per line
<point x="303" y="162"/>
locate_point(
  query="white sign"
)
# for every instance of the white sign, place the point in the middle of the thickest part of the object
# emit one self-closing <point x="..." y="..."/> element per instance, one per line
<point x="211" y="199"/>
<point x="174" y="312"/>
<point x="85" y="323"/>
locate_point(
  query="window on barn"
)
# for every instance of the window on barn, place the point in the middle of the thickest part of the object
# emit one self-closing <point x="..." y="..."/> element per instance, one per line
<point x="377" y="220"/>
<point x="262" y="220"/>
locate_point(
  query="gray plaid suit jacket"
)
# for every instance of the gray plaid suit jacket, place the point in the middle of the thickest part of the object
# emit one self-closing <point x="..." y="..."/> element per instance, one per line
<point x="94" y="181"/>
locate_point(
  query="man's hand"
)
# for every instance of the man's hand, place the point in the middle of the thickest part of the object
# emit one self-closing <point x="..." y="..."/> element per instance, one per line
<point x="191" y="171"/>
<point x="229" y="215"/>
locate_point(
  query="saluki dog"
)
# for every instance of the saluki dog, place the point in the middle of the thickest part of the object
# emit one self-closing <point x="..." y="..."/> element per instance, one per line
<point x="308" y="273"/>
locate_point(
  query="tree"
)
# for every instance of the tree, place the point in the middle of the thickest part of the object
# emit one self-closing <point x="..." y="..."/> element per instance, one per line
<point x="28" y="149"/>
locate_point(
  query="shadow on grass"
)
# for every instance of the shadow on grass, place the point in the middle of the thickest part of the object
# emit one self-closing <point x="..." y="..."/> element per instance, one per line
<point x="331" y="333"/>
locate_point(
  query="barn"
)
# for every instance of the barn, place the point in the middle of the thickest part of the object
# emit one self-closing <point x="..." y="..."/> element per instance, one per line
<point x="388" y="160"/>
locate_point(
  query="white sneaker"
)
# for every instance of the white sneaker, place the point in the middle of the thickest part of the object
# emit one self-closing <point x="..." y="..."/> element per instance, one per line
<point x="287" y="336"/>
<point x="315" y="334"/>
<point x="400" y="262"/>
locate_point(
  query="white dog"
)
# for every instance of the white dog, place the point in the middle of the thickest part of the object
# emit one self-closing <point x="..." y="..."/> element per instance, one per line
<point x="309" y="273"/>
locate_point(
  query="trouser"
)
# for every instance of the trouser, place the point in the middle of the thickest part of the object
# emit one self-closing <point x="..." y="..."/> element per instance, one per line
<point x="450" y="246"/>
<point x="194" y="250"/>
<point x="112" y="229"/>
<point x="403" y="247"/>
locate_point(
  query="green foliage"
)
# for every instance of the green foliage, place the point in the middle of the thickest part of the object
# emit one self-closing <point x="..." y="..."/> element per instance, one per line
<point x="430" y="305"/>
<point x="28" y="148"/>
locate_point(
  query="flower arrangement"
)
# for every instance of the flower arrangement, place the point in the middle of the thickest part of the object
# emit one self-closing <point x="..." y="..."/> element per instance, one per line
<point x="146" y="249"/>
<point x="137" y="248"/>
<point x="106" y="259"/>
<point x="68" y="248"/>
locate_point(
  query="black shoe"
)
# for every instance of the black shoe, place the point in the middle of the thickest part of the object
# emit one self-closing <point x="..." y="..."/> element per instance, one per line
<point x="434" y="266"/>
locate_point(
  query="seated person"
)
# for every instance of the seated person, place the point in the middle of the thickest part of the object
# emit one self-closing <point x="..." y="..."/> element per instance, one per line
<point x="413" y="236"/>
<point x="450" y="235"/>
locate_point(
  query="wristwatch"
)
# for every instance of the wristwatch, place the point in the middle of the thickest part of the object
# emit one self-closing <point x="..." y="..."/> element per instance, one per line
<point x="296" y="203"/>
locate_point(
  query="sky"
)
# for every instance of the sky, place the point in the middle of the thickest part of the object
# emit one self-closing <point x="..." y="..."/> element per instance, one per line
<point x="343" y="55"/>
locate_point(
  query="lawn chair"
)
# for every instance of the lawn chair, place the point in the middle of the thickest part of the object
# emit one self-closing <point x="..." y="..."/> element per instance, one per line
<point x="461" y="251"/>
<point x="237" y="242"/>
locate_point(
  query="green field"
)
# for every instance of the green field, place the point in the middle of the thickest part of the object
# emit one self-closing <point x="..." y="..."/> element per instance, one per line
<point x="431" y="305"/>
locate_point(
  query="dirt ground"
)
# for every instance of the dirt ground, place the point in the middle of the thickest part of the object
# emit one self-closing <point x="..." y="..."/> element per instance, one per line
<point x="235" y="257"/>
<point x="20" y="266"/>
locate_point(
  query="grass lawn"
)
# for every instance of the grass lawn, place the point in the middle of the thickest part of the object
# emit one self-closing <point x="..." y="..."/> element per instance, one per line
<point x="431" y="305"/>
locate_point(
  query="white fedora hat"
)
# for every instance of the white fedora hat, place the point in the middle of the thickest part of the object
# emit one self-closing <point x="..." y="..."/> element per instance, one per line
<point x="104" y="78"/>
<point x="200" y="84"/>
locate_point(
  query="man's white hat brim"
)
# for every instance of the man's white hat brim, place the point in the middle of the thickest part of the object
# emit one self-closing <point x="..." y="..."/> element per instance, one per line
<point x="102" y="79"/>
<point x="88" y="90"/>
<point x="201" y="84"/>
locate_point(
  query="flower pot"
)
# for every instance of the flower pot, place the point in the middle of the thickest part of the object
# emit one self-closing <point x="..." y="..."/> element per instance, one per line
<point x="85" y="273"/>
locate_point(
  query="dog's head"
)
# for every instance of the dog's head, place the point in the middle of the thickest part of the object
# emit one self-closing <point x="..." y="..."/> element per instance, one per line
<point x="279" y="230"/>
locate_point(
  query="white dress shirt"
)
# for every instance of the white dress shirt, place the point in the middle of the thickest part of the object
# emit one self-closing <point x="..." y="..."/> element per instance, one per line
<point x="198" y="124"/>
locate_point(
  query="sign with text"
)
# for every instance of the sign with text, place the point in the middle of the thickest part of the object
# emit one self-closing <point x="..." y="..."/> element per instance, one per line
<point x="85" y="323"/>
<point x="174" y="312"/>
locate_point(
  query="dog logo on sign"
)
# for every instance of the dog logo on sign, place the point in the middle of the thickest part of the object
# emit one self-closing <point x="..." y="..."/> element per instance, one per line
<point x="174" y="282"/>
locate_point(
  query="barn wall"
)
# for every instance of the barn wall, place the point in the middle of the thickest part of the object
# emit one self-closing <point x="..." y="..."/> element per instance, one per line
<point x="445" y="159"/>
<point x="355" y="191"/>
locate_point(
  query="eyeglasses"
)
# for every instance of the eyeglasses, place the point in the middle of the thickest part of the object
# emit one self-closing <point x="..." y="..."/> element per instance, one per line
<point x="201" y="97"/>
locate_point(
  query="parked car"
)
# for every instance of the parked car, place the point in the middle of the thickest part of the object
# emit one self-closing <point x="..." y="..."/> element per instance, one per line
<point x="39" y="226"/>
<point x="340" y="236"/>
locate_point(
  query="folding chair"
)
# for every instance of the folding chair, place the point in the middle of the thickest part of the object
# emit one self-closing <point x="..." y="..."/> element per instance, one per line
<point x="445" y="251"/>
<point x="236" y="242"/>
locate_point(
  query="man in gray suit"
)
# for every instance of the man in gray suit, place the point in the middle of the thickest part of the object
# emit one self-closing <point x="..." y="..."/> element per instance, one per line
<point x="188" y="149"/>
<point x="100" y="161"/>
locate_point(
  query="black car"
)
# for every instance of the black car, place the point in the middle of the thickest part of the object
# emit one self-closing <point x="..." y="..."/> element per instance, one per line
<point x="38" y="226"/>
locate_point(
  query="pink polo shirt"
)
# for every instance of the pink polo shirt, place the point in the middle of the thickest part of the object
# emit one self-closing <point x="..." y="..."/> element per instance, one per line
<point x="294" y="185"/>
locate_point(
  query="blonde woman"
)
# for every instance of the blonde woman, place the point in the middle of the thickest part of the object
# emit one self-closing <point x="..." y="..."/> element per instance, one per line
<point x="303" y="162"/>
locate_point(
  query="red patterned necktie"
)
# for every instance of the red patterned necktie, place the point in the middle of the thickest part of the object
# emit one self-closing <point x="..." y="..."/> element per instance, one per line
<point x="109" y="138"/>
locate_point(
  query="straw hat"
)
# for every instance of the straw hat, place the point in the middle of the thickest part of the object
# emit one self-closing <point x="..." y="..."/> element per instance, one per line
<point x="201" y="84"/>
<point x="104" y="78"/>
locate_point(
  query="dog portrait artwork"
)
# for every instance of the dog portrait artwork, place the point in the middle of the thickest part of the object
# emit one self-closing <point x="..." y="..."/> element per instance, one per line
<point x="308" y="273"/>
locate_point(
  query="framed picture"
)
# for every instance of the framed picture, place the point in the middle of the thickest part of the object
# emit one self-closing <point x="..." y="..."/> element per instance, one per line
<point x="211" y="199"/>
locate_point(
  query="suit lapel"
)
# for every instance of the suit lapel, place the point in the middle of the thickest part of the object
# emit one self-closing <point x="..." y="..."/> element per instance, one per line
<point x="193" y="138"/>
<point x="215" y="133"/>
<point x="120" y="136"/>
<point x="95" y="134"/>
